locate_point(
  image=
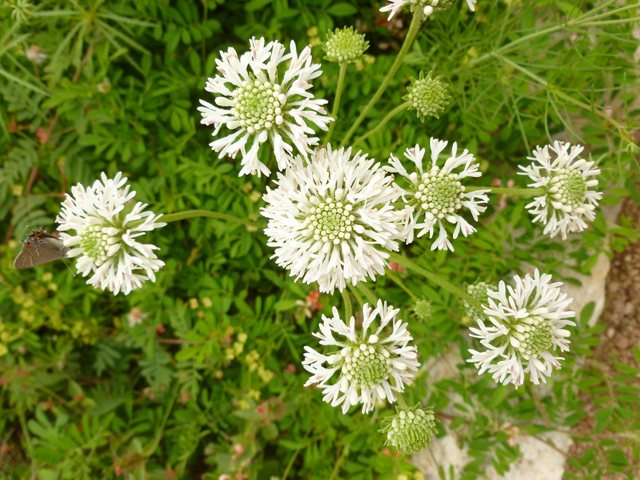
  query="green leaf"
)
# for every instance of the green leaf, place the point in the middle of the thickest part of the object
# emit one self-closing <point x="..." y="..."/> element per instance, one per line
<point x="342" y="9"/>
<point x="499" y="394"/>
<point x="286" y="304"/>
<point x="254" y="5"/>
<point x="586" y="312"/>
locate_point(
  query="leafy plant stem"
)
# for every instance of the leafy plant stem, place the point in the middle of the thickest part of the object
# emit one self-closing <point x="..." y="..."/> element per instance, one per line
<point x="441" y="282"/>
<point x="295" y="454"/>
<point x="174" y="217"/>
<point x="27" y="439"/>
<point x="522" y="192"/>
<point x="336" y="102"/>
<point x="568" y="98"/>
<point x="540" y="406"/>
<point x="347" y="305"/>
<point x="411" y="35"/>
<point x="401" y="284"/>
<point x="383" y="122"/>
<point x="368" y="293"/>
<point x="336" y="468"/>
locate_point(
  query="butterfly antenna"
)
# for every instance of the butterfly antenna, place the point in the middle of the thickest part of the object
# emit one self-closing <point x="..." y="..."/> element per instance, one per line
<point x="65" y="264"/>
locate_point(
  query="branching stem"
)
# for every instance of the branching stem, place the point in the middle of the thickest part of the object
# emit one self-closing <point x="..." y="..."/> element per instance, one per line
<point x="411" y="35"/>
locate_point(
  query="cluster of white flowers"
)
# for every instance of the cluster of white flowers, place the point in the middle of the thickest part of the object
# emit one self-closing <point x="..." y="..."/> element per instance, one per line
<point x="428" y="7"/>
<point x="528" y="322"/>
<point x="331" y="219"/>
<point x="333" y="216"/>
<point x="107" y="233"/>
<point x="437" y="194"/>
<point x="570" y="194"/>
<point x="258" y="102"/>
<point x="370" y="367"/>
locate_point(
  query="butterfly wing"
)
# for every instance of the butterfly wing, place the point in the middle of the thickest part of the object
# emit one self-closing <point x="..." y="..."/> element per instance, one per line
<point x="38" y="249"/>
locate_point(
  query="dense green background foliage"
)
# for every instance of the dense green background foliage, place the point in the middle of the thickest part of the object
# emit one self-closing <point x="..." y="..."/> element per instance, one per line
<point x="86" y="395"/>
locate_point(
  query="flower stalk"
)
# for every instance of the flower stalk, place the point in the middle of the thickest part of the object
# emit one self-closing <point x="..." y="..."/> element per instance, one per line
<point x="383" y="122"/>
<point x="441" y="282"/>
<point x="411" y="35"/>
<point x="347" y="305"/>
<point x="174" y="217"/>
<point x="521" y="192"/>
<point x="336" y="102"/>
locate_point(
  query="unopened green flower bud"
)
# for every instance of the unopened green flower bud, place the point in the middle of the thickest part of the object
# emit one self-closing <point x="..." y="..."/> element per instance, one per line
<point x="479" y="292"/>
<point x="411" y="429"/>
<point x="428" y="96"/>
<point x="344" y="46"/>
<point x="423" y="309"/>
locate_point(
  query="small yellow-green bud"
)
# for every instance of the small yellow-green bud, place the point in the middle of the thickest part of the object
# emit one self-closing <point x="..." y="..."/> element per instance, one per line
<point x="423" y="309"/>
<point x="344" y="46"/>
<point x="428" y="96"/>
<point x="411" y="429"/>
<point x="479" y="292"/>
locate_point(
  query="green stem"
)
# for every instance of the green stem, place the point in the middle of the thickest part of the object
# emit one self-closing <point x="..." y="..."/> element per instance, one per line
<point x="401" y="401"/>
<point x="336" y="102"/>
<point x="356" y="293"/>
<point x="441" y="282"/>
<point x="401" y="284"/>
<point x="411" y="35"/>
<point x="174" y="217"/>
<point x="583" y="20"/>
<point x="348" y="309"/>
<point x="295" y="454"/>
<point x="336" y="468"/>
<point x="522" y="192"/>
<point x="558" y="93"/>
<point x="27" y="439"/>
<point x="368" y="293"/>
<point x="383" y="122"/>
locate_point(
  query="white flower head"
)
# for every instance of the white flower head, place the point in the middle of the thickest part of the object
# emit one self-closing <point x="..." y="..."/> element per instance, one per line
<point x="107" y="233"/>
<point x="259" y="100"/>
<point x="437" y="194"/>
<point x="427" y="6"/>
<point x="35" y="54"/>
<point x="369" y="367"/>
<point x="528" y="323"/>
<point x="331" y="218"/>
<point x="570" y="194"/>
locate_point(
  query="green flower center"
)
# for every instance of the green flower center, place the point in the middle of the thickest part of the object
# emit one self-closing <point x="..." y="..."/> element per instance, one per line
<point x="572" y="187"/>
<point x="439" y="193"/>
<point x="97" y="240"/>
<point x="367" y="365"/>
<point x="331" y="221"/>
<point x="534" y="335"/>
<point x="259" y="105"/>
<point x="410" y="431"/>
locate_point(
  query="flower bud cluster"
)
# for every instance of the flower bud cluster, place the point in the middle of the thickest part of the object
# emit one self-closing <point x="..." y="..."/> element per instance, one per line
<point x="345" y="46"/>
<point x="423" y="309"/>
<point x="237" y="348"/>
<point x="479" y="292"/>
<point x="428" y="96"/>
<point x="411" y="429"/>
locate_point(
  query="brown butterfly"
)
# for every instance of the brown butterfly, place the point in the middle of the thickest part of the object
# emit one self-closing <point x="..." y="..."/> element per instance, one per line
<point x="40" y="247"/>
